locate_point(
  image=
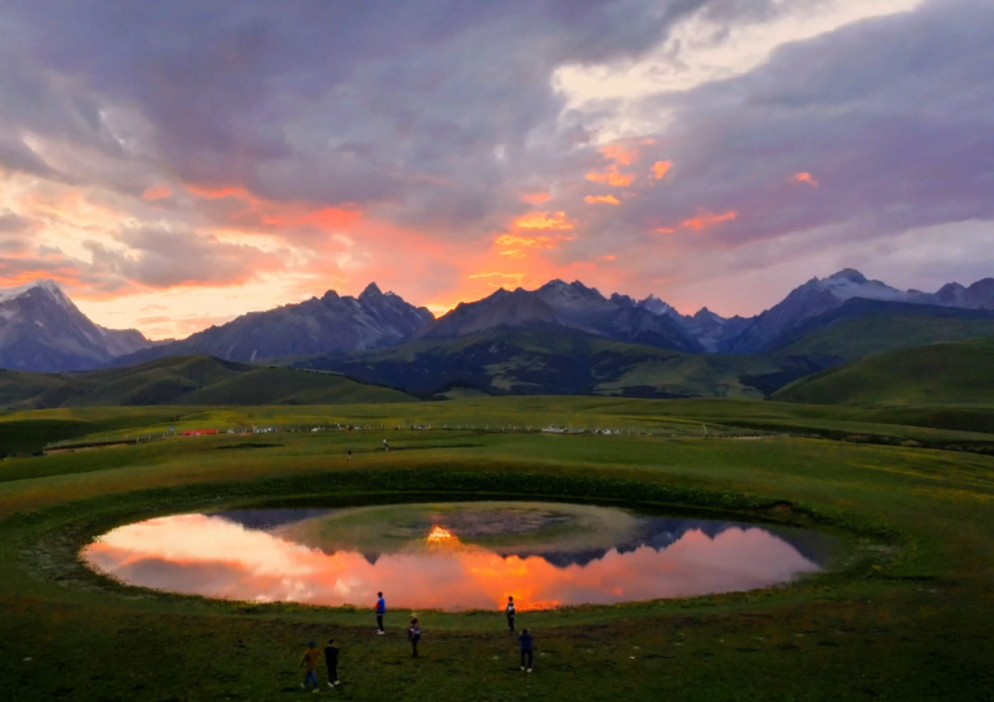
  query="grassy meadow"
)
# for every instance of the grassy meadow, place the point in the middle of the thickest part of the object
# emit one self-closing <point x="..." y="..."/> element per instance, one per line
<point x="904" y="614"/>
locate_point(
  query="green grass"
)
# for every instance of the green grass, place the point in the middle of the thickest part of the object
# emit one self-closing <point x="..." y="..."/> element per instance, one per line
<point x="191" y="380"/>
<point x="959" y="373"/>
<point x="854" y="339"/>
<point x="905" y="615"/>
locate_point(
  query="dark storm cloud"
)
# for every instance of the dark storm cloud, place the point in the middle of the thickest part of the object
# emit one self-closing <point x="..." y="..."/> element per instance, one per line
<point x="893" y="117"/>
<point x="419" y="106"/>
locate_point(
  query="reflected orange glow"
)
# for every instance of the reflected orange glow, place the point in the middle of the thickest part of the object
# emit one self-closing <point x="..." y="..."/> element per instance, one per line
<point x="805" y="178"/>
<point x="660" y="169"/>
<point x="211" y="556"/>
<point x="706" y="221"/>
<point x="439" y="535"/>
<point x="602" y="200"/>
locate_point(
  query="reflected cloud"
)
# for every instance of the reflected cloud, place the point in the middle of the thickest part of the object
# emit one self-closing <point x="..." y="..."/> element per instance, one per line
<point x="215" y="557"/>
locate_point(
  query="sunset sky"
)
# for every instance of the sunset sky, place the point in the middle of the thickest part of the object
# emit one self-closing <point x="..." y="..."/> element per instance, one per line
<point x="175" y="164"/>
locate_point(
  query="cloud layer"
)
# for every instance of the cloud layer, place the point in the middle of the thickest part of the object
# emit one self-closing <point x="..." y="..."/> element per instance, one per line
<point x="219" y="157"/>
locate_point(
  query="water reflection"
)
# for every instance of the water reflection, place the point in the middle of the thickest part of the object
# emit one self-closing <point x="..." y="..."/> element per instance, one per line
<point x="252" y="557"/>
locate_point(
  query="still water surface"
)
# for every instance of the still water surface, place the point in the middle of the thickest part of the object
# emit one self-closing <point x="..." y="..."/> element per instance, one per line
<point x="451" y="556"/>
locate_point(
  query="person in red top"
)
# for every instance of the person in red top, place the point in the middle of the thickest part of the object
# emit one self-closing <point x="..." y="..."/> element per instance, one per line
<point x="312" y="657"/>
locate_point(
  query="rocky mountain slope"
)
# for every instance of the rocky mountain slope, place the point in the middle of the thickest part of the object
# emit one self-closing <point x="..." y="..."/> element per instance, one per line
<point x="42" y="330"/>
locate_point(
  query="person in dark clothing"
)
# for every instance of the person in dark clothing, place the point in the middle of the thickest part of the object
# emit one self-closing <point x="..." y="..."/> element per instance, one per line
<point x="381" y="609"/>
<point x="414" y="635"/>
<point x="527" y="642"/>
<point x="510" y="611"/>
<point x="331" y="660"/>
<point x="310" y="661"/>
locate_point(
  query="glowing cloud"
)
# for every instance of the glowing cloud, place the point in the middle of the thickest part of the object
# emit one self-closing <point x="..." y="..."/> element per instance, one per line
<point x="620" y="154"/>
<point x="536" y="198"/>
<point x="544" y="221"/>
<point x="268" y="214"/>
<point x="660" y="169"/>
<point x="708" y="220"/>
<point x="611" y="177"/>
<point x="804" y="178"/>
<point x="156" y="194"/>
<point x="602" y="200"/>
<point x="515" y="246"/>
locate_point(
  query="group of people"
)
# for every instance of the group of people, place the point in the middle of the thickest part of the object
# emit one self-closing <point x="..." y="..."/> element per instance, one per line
<point x="311" y="660"/>
<point x="312" y="656"/>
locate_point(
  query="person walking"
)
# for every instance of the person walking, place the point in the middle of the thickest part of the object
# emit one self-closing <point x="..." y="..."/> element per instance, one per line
<point x="331" y="661"/>
<point x="414" y="635"/>
<point x="381" y="609"/>
<point x="527" y="642"/>
<point x="510" y="611"/>
<point x="310" y="660"/>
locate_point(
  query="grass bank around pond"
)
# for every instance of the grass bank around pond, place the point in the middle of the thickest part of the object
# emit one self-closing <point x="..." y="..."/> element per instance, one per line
<point x="905" y="616"/>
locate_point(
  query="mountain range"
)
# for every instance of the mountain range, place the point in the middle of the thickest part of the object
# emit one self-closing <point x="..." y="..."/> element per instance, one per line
<point x="560" y="338"/>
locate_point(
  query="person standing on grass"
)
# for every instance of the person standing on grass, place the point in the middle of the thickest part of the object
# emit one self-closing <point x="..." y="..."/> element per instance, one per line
<point x="310" y="660"/>
<point x="414" y="635"/>
<point x="527" y="642"/>
<point x="381" y="609"/>
<point x="331" y="661"/>
<point x="510" y="611"/>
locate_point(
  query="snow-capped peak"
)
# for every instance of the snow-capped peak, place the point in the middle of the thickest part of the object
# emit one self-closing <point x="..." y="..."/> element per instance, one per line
<point x="656" y="306"/>
<point x="849" y="283"/>
<point x="48" y="286"/>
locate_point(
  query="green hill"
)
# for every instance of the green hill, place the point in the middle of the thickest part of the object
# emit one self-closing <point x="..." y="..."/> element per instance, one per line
<point x="950" y="373"/>
<point x="190" y="380"/>
<point x="544" y="360"/>
<point x="848" y="340"/>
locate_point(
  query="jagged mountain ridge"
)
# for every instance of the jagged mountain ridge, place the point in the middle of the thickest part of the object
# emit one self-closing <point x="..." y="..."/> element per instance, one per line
<point x="569" y="305"/>
<point x="330" y="324"/>
<point x="42" y="330"/>
<point x="803" y="306"/>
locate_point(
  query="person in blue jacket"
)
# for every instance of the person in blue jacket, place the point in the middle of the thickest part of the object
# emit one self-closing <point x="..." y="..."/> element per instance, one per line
<point x="381" y="609"/>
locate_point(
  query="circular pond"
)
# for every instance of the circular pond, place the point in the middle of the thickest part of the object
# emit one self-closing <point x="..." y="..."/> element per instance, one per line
<point x="452" y="556"/>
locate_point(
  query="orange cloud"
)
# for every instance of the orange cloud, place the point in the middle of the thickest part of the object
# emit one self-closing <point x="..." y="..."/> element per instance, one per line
<point x="625" y="152"/>
<point x="602" y="200"/>
<point x="660" y="169"/>
<point x="611" y="177"/>
<point x="708" y="220"/>
<point x="804" y="178"/>
<point x="279" y="215"/>
<point x="515" y="246"/>
<point x="514" y="279"/>
<point x="205" y="193"/>
<point x="540" y="221"/>
<point x="325" y="218"/>
<point x="665" y="230"/>
<point x="620" y="154"/>
<point x="536" y="198"/>
<point x="158" y="193"/>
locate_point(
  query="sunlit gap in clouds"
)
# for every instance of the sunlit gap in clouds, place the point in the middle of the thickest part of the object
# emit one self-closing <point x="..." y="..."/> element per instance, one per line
<point x="698" y="51"/>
